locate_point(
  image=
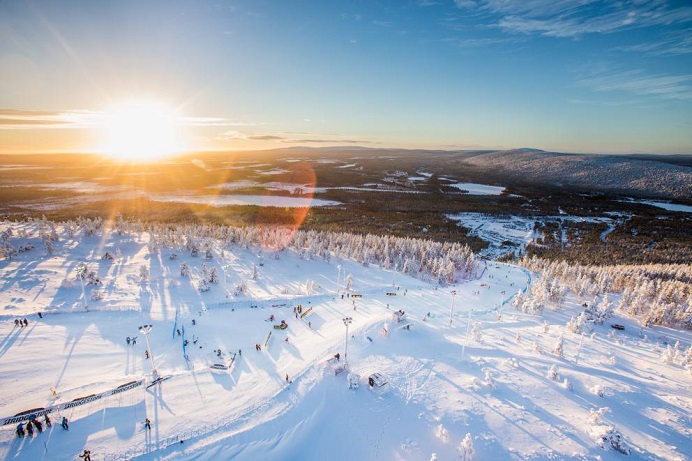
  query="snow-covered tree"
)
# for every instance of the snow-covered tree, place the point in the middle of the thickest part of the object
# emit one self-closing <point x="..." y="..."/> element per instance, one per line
<point x="203" y="285"/>
<point x="489" y="380"/>
<point x="48" y="246"/>
<point x="668" y="355"/>
<point x="476" y="332"/>
<point x="466" y="450"/>
<point x="610" y="438"/>
<point x="553" y="373"/>
<point x="558" y="348"/>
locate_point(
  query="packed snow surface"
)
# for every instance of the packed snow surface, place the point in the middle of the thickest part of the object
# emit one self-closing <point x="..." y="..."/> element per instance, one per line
<point x="453" y="366"/>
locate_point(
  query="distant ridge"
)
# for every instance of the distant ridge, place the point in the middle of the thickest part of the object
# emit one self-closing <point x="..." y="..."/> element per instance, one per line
<point x="615" y="173"/>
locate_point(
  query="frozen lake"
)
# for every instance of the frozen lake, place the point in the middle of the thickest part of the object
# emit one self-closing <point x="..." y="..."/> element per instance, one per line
<point x="479" y="189"/>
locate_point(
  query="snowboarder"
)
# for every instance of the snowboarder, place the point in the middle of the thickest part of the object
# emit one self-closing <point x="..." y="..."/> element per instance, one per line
<point x="128" y="340"/>
<point x="86" y="455"/>
<point x="49" y="423"/>
<point x="40" y="315"/>
<point x="20" y="430"/>
<point x="64" y="424"/>
<point x="337" y="356"/>
<point x="147" y="424"/>
<point x="146" y="353"/>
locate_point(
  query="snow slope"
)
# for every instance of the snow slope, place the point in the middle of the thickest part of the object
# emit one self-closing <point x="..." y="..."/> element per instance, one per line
<point x="446" y="376"/>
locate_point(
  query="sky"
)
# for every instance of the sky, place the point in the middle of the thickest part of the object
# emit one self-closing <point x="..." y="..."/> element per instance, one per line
<point x="565" y="75"/>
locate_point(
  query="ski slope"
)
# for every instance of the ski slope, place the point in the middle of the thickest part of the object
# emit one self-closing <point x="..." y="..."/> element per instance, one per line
<point x="449" y="374"/>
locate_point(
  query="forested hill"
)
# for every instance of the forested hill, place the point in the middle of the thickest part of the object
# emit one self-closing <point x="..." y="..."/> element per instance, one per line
<point x="597" y="172"/>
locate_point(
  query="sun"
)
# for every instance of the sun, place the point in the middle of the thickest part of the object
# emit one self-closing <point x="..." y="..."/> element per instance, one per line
<point x="141" y="131"/>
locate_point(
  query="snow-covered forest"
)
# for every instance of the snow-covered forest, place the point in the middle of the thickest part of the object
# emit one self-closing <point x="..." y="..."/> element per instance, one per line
<point x="424" y="259"/>
<point x="658" y="294"/>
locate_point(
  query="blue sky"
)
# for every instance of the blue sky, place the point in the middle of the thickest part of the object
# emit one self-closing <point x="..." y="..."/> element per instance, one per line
<point x="567" y="75"/>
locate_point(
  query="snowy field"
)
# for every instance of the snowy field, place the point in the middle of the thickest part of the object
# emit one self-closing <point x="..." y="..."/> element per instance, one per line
<point x="453" y="365"/>
<point x="508" y="233"/>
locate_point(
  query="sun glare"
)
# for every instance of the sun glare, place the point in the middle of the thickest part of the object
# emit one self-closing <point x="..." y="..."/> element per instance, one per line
<point x="141" y="131"/>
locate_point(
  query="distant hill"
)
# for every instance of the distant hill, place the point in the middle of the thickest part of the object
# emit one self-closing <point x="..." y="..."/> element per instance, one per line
<point x="614" y="173"/>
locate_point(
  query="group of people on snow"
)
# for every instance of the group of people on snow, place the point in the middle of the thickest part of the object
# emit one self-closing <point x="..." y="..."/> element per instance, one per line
<point x="34" y="423"/>
<point x="21" y="323"/>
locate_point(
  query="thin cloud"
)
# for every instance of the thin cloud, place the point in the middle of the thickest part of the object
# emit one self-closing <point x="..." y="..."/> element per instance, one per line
<point x="292" y="137"/>
<point x="670" y="87"/>
<point x="674" y="46"/>
<point x="573" y="18"/>
<point x="17" y="119"/>
<point x="14" y="118"/>
<point x="266" y="137"/>
<point x="325" y="141"/>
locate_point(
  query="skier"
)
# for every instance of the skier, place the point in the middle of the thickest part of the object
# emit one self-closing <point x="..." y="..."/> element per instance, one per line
<point x="286" y="377"/>
<point x="86" y="455"/>
<point x="178" y="330"/>
<point x="240" y="352"/>
<point x="134" y="340"/>
<point x="26" y="322"/>
<point x="310" y="325"/>
<point x="20" y="430"/>
<point x="64" y="424"/>
<point x="16" y="322"/>
<point x="30" y="429"/>
<point x="146" y="353"/>
<point x="271" y="318"/>
<point x="194" y="322"/>
<point x="128" y="340"/>
<point x="286" y="340"/>
<point x="147" y="424"/>
<point x="49" y="423"/>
